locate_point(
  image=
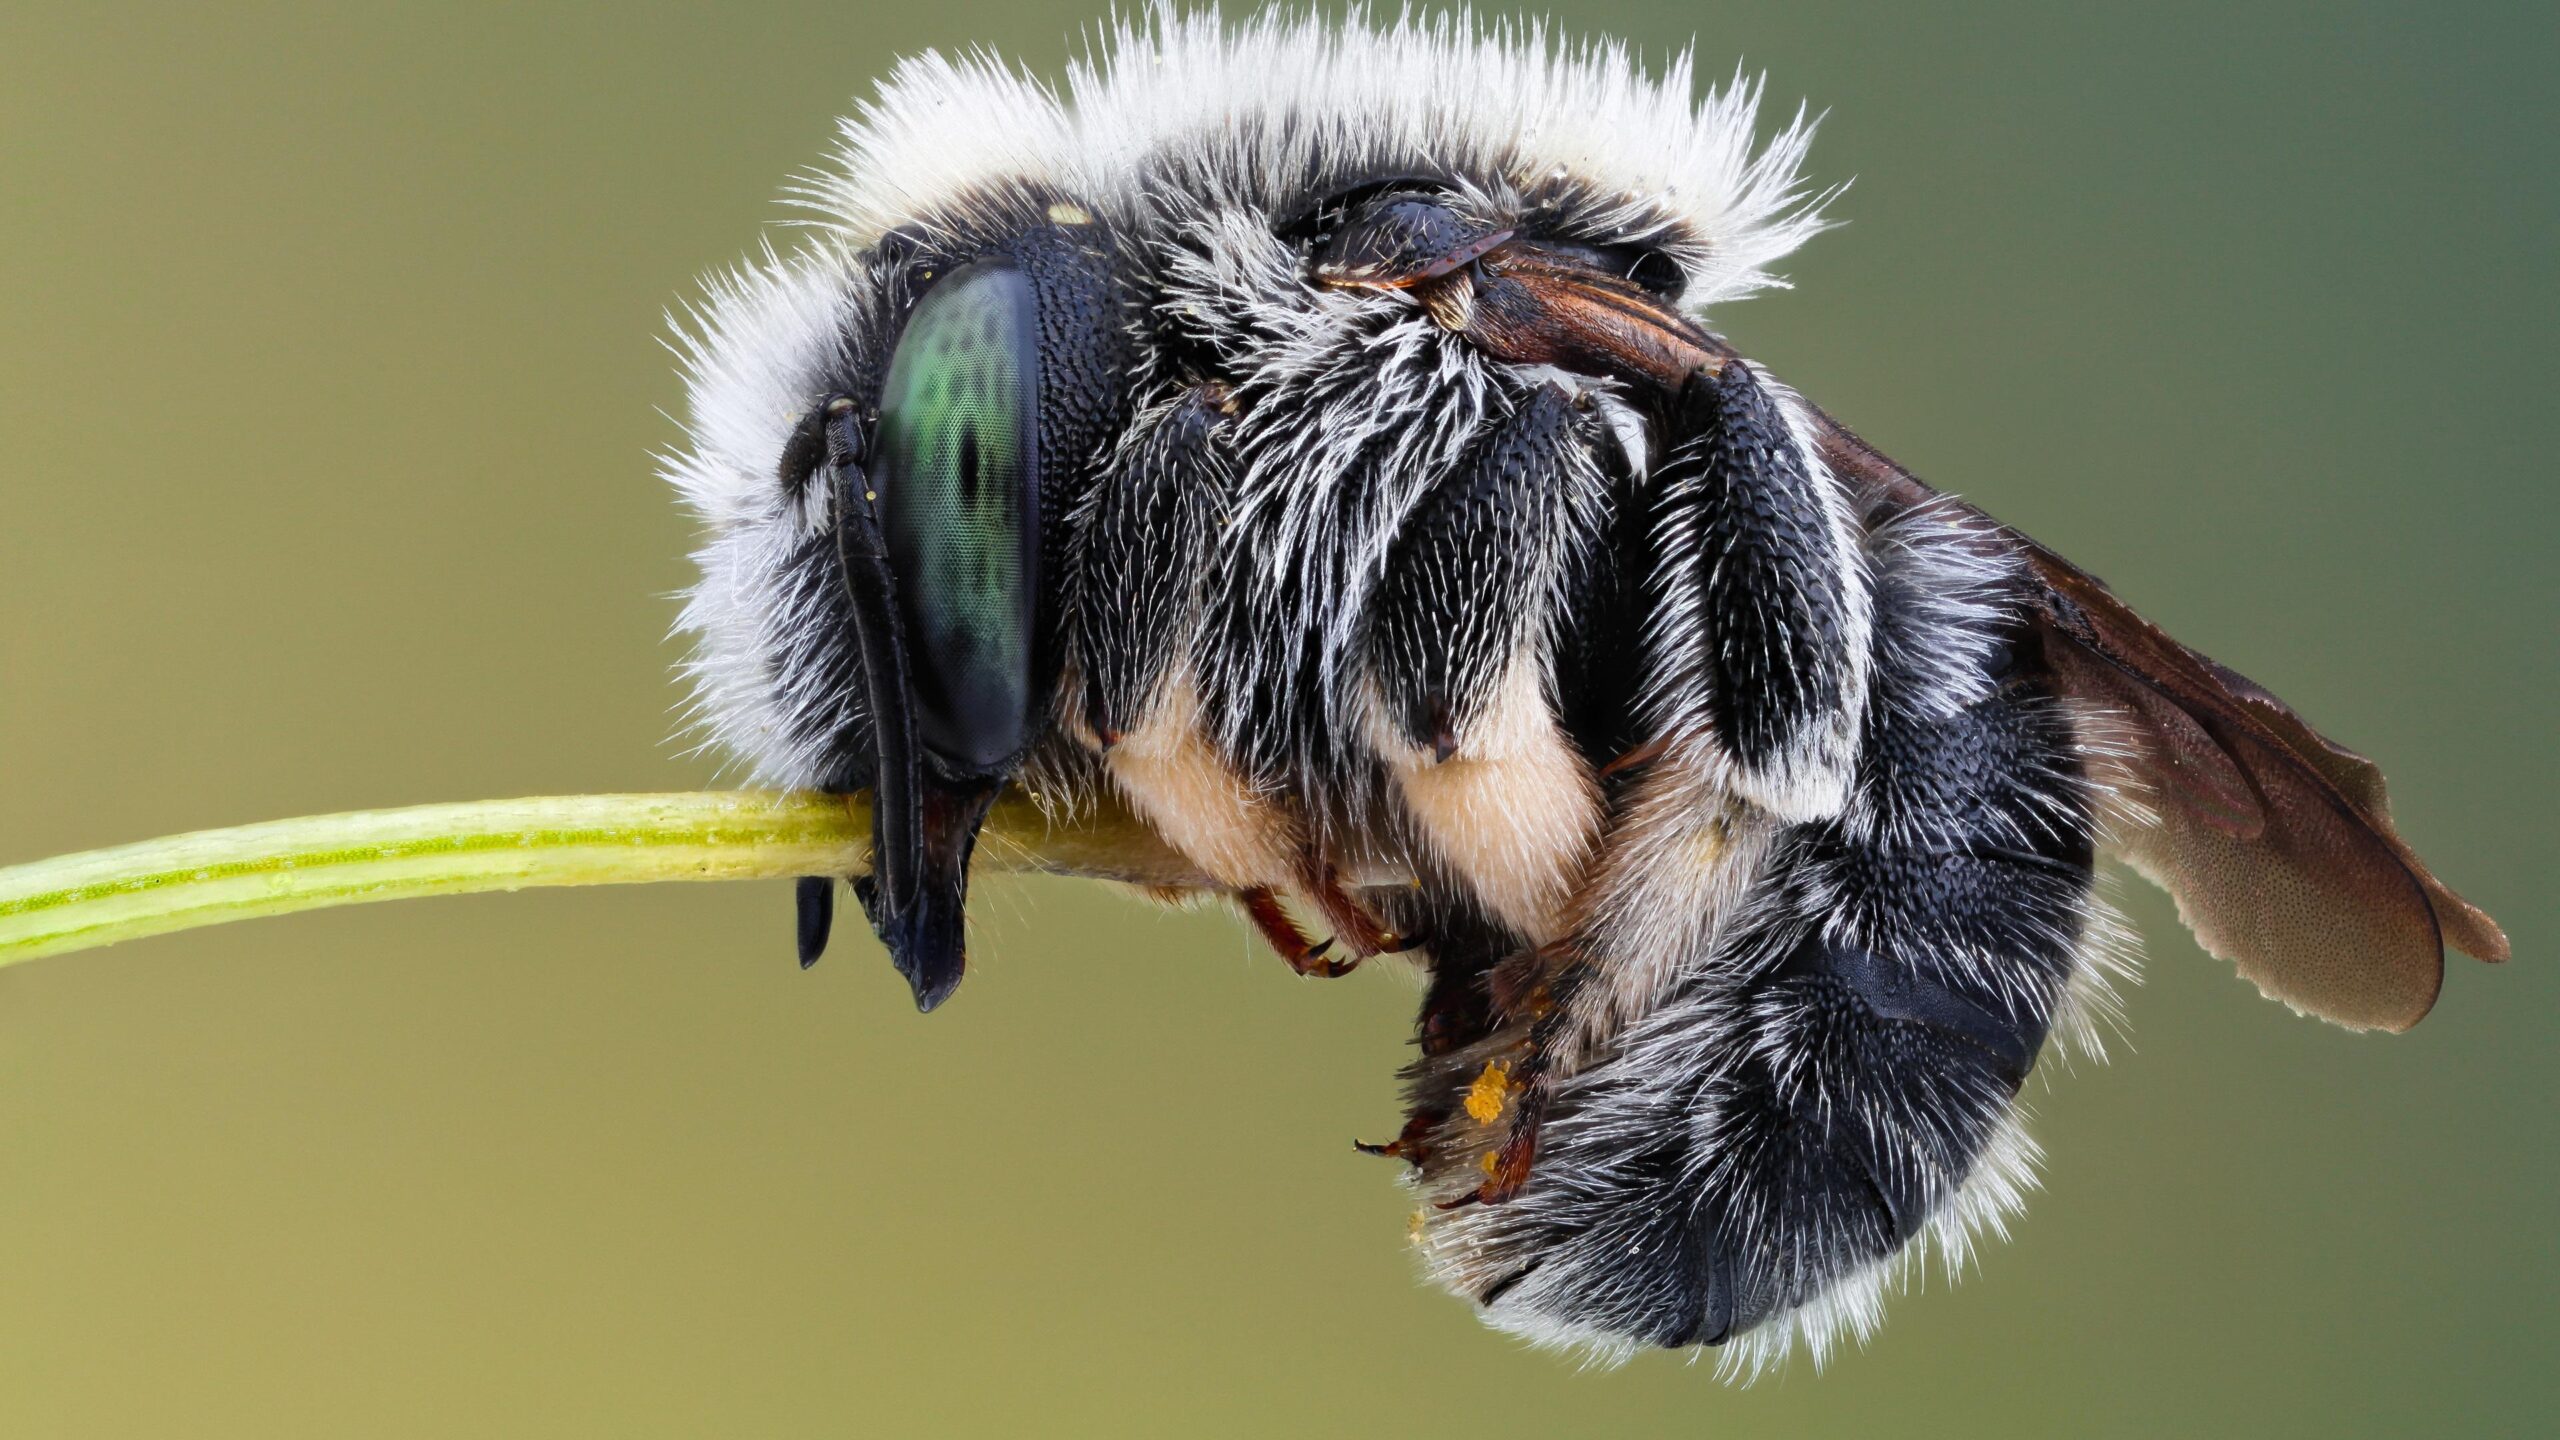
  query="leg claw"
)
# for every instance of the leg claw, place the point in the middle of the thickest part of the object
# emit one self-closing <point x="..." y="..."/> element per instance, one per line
<point x="1302" y="955"/>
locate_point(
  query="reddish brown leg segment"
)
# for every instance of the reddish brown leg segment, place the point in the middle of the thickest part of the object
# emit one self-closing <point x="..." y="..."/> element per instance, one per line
<point x="1273" y="921"/>
<point x="1359" y="931"/>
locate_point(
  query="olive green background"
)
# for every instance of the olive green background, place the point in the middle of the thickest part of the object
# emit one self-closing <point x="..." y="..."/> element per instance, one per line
<point x="329" y="377"/>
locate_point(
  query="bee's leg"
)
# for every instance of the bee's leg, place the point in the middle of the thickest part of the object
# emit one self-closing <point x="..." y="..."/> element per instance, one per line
<point x="1463" y="1006"/>
<point x="1460" y="669"/>
<point x="1355" y="925"/>
<point x="1837" y="1079"/>
<point x="1145" y="541"/>
<point x="1272" y="921"/>
<point x="1141" y="545"/>
<point x="1484" y="624"/>
<point x="1758" y="634"/>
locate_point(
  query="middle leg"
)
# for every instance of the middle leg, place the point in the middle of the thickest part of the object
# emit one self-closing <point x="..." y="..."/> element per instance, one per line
<point x="1145" y="545"/>
<point x="1461" y="663"/>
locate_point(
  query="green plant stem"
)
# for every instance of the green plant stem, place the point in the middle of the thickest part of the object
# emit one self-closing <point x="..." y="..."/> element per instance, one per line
<point x="75" y="902"/>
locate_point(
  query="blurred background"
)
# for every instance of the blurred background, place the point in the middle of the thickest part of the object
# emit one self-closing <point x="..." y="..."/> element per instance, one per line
<point x="330" y="371"/>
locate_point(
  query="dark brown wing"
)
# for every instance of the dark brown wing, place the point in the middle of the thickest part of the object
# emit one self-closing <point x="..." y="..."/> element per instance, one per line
<point x="2276" y="843"/>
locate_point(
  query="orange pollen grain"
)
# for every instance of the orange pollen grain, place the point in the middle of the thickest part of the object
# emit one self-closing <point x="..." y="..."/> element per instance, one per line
<point x="1486" y="1097"/>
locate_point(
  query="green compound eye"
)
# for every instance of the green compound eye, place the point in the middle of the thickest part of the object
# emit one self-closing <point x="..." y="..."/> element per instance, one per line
<point x="957" y="467"/>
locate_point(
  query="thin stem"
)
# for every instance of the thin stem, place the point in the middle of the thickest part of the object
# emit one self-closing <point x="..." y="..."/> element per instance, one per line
<point x="75" y="902"/>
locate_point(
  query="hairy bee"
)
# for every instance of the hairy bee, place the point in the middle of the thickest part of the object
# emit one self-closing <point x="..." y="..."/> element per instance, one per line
<point x="1312" y="436"/>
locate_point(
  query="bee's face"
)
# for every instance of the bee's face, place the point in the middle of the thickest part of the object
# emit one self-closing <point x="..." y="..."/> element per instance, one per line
<point x="1313" y="440"/>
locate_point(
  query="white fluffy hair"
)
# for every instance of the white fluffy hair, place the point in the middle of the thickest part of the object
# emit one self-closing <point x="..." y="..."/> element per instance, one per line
<point x="1502" y="103"/>
<point x="1260" y="111"/>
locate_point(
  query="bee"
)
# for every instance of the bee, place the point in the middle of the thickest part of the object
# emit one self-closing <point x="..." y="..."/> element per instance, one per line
<point x="1314" y="438"/>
